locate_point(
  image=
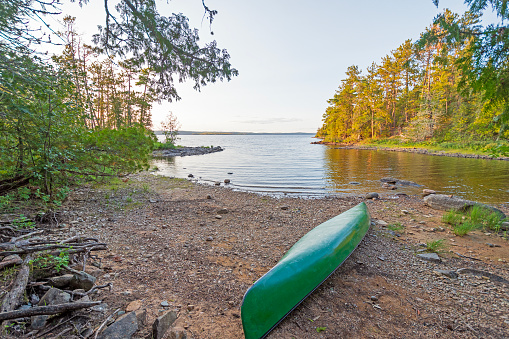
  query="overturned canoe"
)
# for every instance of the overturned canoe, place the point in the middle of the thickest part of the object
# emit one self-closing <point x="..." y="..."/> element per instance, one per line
<point x="301" y="270"/>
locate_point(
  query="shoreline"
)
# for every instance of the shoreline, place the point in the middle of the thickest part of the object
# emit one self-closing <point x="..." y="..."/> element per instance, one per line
<point x="197" y="248"/>
<point x="410" y="150"/>
<point x="185" y="151"/>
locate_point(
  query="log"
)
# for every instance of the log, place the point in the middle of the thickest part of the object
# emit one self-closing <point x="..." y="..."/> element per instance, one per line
<point x="12" y="262"/>
<point x="13" y="299"/>
<point x="47" y="310"/>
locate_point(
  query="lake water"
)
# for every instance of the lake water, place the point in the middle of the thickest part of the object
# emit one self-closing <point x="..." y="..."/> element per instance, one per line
<point x="291" y="165"/>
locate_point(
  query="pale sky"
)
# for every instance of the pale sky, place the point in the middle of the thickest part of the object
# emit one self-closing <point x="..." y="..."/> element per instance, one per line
<point x="291" y="56"/>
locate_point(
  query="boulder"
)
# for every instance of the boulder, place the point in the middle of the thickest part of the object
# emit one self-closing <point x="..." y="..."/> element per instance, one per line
<point x="371" y="195"/>
<point x="82" y="280"/>
<point x="162" y="324"/>
<point x="61" y="281"/>
<point x="123" y="328"/>
<point x="178" y="333"/>
<point x="448" y="202"/>
<point x="432" y="257"/>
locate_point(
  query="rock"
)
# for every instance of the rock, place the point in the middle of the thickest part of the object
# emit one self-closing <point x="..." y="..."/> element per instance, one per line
<point x="165" y="304"/>
<point x="217" y="183"/>
<point x="209" y="239"/>
<point x="399" y="194"/>
<point x="218" y="217"/>
<point x="492" y="245"/>
<point x="448" y="202"/>
<point x="373" y="298"/>
<point x="479" y="273"/>
<point x="426" y="192"/>
<point x="389" y="180"/>
<point x="53" y="296"/>
<point x="123" y="328"/>
<point x="432" y="257"/>
<point x="209" y="196"/>
<point x="162" y="324"/>
<point x="222" y="211"/>
<point x="133" y="305"/>
<point x="381" y="223"/>
<point x="354" y="183"/>
<point x="505" y="226"/>
<point x="34" y="299"/>
<point x="230" y="173"/>
<point x="405" y="212"/>
<point x="61" y="281"/>
<point x="100" y="308"/>
<point x="399" y="181"/>
<point x="141" y="315"/>
<point x="285" y="208"/>
<point x="190" y="175"/>
<point x="178" y="333"/>
<point x="153" y="201"/>
<point x="388" y="186"/>
<point x="82" y="280"/>
<point x="226" y="181"/>
<point x="447" y="273"/>
<point x="372" y="195"/>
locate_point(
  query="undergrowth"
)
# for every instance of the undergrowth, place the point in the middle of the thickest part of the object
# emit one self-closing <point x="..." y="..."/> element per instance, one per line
<point x="477" y="217"/>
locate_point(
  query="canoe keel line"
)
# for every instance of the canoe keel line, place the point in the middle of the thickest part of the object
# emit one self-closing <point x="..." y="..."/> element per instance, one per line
<point x="301" y="270"/>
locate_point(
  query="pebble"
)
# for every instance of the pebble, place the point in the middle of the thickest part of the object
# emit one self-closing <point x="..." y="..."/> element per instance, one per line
<point x="373" y="298"/>
<point x="165" y="304"/>
<point x="209" y="239"/>
<point x="227" y="181"/>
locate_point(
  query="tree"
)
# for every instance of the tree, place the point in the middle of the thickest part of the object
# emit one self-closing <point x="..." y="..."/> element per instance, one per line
<point x="485" y="64"/>
<point x="170" y="127"/>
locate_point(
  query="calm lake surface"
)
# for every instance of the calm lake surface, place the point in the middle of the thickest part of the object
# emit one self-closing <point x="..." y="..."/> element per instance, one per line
<point x="291" y="165"/>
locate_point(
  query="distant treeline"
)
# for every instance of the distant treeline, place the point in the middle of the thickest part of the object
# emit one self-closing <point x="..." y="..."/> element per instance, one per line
<point x="418" y="92"/>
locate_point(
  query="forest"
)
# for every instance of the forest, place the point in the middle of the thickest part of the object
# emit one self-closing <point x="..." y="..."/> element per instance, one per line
<point x="449" y="86"/>
<point x="86" y="113"/>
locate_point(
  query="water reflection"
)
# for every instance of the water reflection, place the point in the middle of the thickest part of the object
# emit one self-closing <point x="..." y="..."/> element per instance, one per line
<point x="476" y="179"/>
<point x="282" y="164"/>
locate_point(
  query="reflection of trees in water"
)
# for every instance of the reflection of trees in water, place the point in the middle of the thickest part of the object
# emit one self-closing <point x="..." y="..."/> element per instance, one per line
<point x="476" y="179"/>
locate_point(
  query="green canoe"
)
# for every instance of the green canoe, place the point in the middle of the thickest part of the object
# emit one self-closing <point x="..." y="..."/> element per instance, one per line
<point x="301" y="270"/>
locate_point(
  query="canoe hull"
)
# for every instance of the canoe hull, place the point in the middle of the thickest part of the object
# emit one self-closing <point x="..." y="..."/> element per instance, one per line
<point x="301" y="270"/>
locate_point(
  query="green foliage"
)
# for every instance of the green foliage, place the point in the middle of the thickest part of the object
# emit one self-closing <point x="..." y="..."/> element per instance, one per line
<point x="486" y="218"/>
<point x="477" y="217"/>
<point x="47" y="260"/>
<point x="435" y="245"/>
<point x="397" y="227"/>
<point x="321" y="329"/>
<point x="22" y="222"/>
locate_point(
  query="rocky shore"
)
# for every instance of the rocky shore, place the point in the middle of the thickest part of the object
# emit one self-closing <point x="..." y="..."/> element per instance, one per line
<point x="411" y="150"/>
<point x="183" y="255"/>
<point x="186" y="151"/>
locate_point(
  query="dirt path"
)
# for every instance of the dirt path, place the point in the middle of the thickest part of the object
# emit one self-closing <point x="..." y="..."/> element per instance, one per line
<point x="199" y="248"/>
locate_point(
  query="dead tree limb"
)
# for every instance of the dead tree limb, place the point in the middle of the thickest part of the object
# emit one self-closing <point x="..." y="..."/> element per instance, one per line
<point x="47" y="310"/>
<point x="13" y="299"/>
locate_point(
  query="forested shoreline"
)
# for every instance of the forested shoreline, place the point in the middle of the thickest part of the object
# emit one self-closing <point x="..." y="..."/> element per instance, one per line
<point x="432" y="90"/>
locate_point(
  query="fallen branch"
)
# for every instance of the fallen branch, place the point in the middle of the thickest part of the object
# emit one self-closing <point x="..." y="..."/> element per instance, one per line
<point x="15" y="261"/>
<point x="47" y="310"/>
<point x="13" y="299"/>
<point x="92" y="290"/>
<point x="104" y="323"/>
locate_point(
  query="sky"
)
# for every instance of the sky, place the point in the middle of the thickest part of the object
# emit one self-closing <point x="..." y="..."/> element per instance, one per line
<point x="291" y="55"/>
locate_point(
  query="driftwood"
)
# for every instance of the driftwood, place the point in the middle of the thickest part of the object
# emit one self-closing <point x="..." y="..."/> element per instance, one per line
<point x="75" y="249"/>
<point x="13" y="299"/>
<point x="12" y="262"/>
<point x="47" y="310"/>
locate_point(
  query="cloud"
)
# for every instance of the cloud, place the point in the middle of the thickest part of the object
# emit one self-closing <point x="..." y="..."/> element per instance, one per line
<point x="269" y="121"/>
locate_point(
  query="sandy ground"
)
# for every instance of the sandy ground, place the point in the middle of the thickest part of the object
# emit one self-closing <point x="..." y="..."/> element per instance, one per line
<point x="199" y="248"/>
